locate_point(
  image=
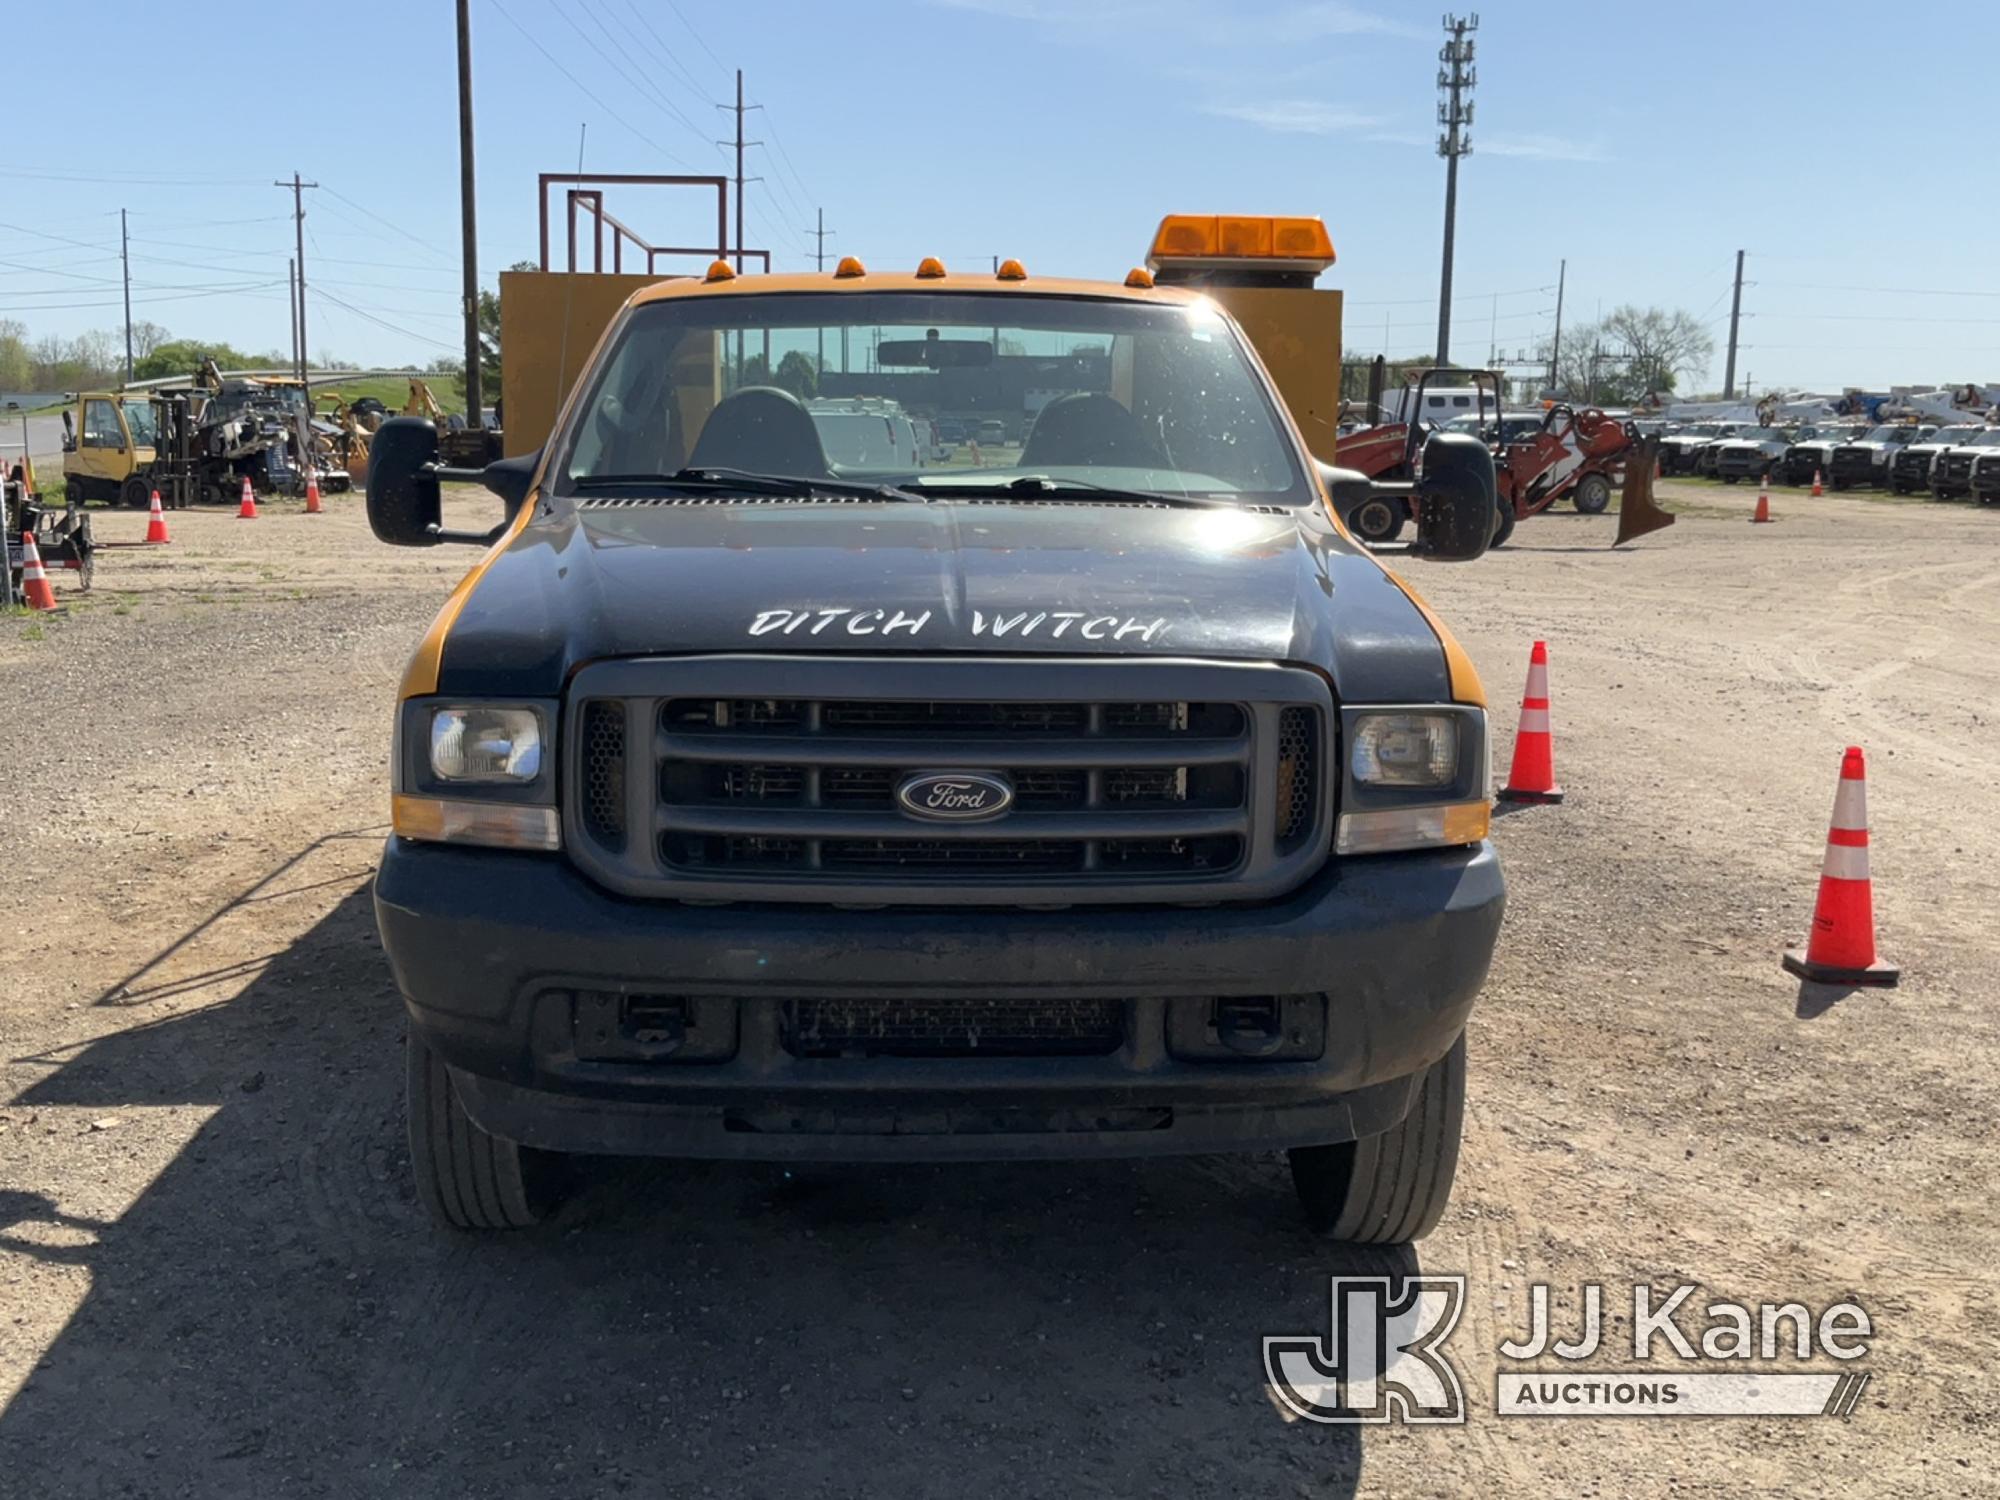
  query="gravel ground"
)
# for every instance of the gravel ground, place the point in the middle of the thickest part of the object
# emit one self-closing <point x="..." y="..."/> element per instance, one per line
<point x="214" y="1279"/>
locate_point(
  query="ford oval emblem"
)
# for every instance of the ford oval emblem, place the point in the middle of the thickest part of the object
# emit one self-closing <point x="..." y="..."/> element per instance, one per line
<point x="955" y="796"/>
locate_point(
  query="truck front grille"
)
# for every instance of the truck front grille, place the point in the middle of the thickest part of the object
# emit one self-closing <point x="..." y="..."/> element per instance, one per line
<point x="1116" y="795"/>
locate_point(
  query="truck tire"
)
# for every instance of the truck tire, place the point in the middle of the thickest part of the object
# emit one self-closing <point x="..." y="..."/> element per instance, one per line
<point x="1503" y="524"/>
<point x="469" y="1180"/>
<point x="1378" y="519"/>
<point x="135" y="493"/>
<point x="1389" y="1188"/>
<point x="1593" y="494"/>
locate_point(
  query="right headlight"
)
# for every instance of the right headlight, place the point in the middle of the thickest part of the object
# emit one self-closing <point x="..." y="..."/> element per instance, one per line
<point x="1415" y="777"/>
<point x="476" y="773"/>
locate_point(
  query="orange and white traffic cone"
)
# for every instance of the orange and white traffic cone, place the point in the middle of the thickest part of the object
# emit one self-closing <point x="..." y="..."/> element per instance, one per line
<point x="1818" y="488"/>
<point x="1840" y="949"/>
<point x="156" y="524"/>
<point x="247" y="510"/>
<point x="312" y="492"/>
<point x="34" y="578"/>
<point x="1763" y="501"/>
<point x="1533" y="778"/>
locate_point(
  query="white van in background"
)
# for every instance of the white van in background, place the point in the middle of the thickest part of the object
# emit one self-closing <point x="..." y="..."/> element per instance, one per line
<point x="865" y="433"/>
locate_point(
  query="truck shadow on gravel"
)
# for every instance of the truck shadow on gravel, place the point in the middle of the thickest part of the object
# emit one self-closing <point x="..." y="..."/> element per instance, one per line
<point x="273" y="1314"/>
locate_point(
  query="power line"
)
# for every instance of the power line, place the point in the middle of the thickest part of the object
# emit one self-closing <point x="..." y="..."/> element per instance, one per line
<point x="1890" y="291"/>
<point x="667" y="52"/>
<point x="422" y="338"/>
<point x="362" y="208"/>
<point x="647" y="88"/>
<point x="592" y="95"/>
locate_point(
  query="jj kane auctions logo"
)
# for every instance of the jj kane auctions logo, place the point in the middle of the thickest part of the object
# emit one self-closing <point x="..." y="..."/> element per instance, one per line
<point x="1382" y="1358"/>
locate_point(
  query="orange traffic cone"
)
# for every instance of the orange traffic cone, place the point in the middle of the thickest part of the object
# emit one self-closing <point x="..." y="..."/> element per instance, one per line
<point x="1840" y="949"/>
<point x="1533" y="778"/>
<point x="156" y="524"/>
<point x="34" y="579"/>
<point x="1763" y="501"/>
<point x="312" y="492"/>
<point x="247" y="511"/>
<point x="1818" y="488"/>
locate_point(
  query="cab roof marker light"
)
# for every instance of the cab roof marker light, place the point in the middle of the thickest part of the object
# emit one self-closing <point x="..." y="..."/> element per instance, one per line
<point x="930" y="268"/>
<point x="720" y="270"/>
<point x="850" y="266"/>
<point x="1011" y="270"/>
<point x="1139" y="277"/>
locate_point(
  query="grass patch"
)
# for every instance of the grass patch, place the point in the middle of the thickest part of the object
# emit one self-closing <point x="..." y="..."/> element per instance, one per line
<point x="204" y="598"/>
<point x="34" y="633"/>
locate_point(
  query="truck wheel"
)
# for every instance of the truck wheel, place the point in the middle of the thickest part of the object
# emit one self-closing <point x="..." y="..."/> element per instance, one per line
<point x="1593" y="493"/>
<point x="135" y="493"/>
<point x="466" y="1178"/>
<point x="1385" y="1189"/>
<point x="1378" y="519"/>
<point x="1503" y="524"/>
<point x="1731" y="478"/>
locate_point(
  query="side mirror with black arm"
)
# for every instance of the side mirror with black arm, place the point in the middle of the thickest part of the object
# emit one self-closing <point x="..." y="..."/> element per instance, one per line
<point x="405" y="504"/>
<point x="1456" y="498"/>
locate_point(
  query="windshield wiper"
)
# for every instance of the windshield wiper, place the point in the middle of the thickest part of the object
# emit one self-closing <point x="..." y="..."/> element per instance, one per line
<point x="1046" y="487"/>
<point x="710" y="477"/>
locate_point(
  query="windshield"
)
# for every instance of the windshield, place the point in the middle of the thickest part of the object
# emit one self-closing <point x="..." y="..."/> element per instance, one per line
<point x="1887" y="435"/>
<point x="1761" y="435"/>
<point x="139" y="417"/>
<point x="1985" y="437"/>
<point x="846" y="386"/>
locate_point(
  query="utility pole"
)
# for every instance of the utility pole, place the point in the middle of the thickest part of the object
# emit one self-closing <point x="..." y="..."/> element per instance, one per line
<point x="1555" y="345"/>
<point x="468" y="221"/>
<point x="819" y="234"/>
<point x="292" y="310"/>
<point x="1735" y="317"/>
<point x="1456" y="79"/>
<point x="740" y="144"/>
<point x="125" y="255"/>
<point x="299" y="234"/>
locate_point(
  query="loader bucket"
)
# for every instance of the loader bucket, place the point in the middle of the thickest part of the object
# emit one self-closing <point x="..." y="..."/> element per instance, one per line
<point x="1637" y="513"/>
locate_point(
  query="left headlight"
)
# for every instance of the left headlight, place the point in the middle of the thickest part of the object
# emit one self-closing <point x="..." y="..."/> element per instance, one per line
<point x="476" y="773"/>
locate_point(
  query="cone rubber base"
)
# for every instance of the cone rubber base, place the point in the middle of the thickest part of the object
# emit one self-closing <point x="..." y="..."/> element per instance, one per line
<point x="1878" y="975"/>
<point x="1511" y="794"/>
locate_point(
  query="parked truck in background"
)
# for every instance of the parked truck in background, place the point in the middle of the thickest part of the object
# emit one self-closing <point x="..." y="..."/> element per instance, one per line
<point x="1954" y="470"/>
<point x="1865" y="460"/>
<point x="1910" y="465"/>
<point x="1106" y="800"/>
<point x="1751" y="453"/>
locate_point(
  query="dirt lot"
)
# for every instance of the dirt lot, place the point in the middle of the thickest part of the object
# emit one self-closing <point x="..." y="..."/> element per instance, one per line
<point x="214" y="1280"/>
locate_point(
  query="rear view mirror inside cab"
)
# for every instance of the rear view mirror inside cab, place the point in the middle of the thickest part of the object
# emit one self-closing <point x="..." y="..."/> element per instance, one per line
<point x="934" y="353"/>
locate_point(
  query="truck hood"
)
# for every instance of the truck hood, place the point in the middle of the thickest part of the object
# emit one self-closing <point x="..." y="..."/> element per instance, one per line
<point x="668" y="576"/>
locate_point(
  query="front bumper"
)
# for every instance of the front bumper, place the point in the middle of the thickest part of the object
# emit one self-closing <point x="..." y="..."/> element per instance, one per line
<point x="488" y="948"/>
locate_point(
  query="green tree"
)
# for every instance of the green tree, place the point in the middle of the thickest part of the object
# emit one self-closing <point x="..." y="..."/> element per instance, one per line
<point x="1632" y="351"/>
<point x="184" y="357"/>
<point x="798" y="372"/>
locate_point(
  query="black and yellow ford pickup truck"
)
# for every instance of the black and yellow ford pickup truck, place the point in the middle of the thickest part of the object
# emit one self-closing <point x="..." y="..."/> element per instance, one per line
<point x="779" y="787"/>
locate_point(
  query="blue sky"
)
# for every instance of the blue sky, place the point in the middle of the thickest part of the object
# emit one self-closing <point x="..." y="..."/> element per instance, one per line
<point x="1644" y="146"/>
